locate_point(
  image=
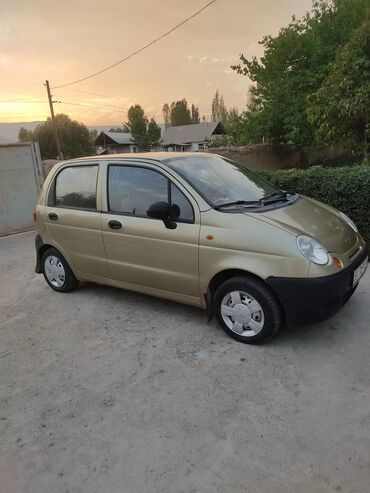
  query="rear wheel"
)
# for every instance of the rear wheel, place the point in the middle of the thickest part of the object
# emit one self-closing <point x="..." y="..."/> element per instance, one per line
<point x="247" y="310"/>
<point x="57" y="272"/>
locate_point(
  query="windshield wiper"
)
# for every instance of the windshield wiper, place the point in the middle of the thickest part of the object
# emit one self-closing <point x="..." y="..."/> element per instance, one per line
<point x="274" y="197"/>
<point x="239" y="202"/>
<point x="268" y="199"/>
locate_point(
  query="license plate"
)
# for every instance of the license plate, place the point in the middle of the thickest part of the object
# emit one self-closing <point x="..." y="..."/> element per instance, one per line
<point x="359" y="272"/>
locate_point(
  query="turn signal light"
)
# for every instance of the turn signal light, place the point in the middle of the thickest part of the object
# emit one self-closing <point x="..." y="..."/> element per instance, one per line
<point x="338" y="263"/>
<point x="34" y="213"/>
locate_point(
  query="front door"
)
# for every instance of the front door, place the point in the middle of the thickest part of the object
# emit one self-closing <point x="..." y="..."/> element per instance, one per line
<point x="73" y="220"/>
<point x="141" y="250"/>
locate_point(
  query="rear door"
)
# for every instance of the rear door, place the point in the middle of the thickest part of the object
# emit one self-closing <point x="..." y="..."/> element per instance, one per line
<point x="73" y="218"/>
<point x="141" y="250"/>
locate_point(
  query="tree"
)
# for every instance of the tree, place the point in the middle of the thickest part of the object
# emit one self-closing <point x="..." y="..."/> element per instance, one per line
<point x="180" y="113"/>
<point x="154" y="133"/>
<point x="25" y="135"/>
<point x="93" y="134"/>
<point x="144" y="133"/>
<point x="233" y="122"/>
<point x="123" y="129"/>
<point x="294" y="65"/>
<point x="166" y="115"/>
<point x="218" y="109"/>
<point x="340" y="109"/>
<point x="137" y="123"/>
<point x="195" y="118"/>
<point x="75" y="138"/>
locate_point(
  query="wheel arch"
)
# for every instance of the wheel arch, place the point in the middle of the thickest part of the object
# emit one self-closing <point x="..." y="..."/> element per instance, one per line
<point x="227" y="274"/>
<point x="41" y="249"/>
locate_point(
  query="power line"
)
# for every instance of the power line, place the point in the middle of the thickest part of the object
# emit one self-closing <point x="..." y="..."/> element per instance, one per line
<point x="140" y="49"/>
<point x="91" y="93"/>
<point x="86" y="101"/>
<point x="19" y="100"/>
<point x="103" y="108"/>
<point x="19" y="85"/>
<point x="22" y="101"/>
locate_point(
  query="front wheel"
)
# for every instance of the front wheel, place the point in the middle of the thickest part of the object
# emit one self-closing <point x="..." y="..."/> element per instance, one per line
<point x="57" y="272"/>
<point x="247" y="310"/>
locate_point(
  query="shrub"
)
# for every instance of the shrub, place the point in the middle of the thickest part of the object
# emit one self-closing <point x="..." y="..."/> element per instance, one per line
<point x="347" y="189"/>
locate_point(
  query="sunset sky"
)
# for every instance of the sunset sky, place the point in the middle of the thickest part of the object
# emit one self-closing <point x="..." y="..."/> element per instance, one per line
<point x="64" y="41"/>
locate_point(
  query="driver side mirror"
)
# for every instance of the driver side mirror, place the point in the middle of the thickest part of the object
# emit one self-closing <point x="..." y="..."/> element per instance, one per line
<point x="161" y="210"/>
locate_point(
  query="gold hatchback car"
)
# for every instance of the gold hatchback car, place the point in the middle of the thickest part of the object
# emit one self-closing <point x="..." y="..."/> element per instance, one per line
<point x="199" y="229"/>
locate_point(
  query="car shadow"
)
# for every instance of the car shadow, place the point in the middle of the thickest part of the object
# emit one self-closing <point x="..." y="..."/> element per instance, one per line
<point x="328" y="332"/>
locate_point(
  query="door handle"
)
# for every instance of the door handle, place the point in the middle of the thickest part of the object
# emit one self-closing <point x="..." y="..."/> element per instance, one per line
<point x="53" y="216"/>
<point x="114" y="224"/>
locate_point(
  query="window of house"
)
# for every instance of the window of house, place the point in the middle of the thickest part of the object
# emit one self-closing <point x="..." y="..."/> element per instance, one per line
<point x="132" y="189"/>
<point x="75" y="187"/>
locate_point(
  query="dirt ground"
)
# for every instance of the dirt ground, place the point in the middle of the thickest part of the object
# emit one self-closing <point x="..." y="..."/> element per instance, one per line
<point x="108" y="391"/>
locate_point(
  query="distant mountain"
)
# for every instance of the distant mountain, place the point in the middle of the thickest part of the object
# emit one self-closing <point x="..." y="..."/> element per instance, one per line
<point x="9" y="131"/>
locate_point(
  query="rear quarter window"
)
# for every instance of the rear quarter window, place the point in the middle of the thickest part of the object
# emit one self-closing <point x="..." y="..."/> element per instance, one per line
<point x="75" y="187"/>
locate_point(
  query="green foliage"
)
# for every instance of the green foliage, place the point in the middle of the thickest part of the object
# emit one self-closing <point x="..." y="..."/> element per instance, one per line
<point x="166" y="110"/>
<point x="75" y="138"/>
<point x="346" y="189"/>
<point x="340" y="109"/>
<point x="180" y="113"/>
<point x="144" y="133"/>
<point x="219" y="111"/>
<point x="224" y="141"/>
<point x="154" y="133"/>
<point x="195" y="117"/>
<point x="137" y="123"/>
<point x="25" y="135"/>
<point x="123" y="129"/>
<point x="294" y="65"/>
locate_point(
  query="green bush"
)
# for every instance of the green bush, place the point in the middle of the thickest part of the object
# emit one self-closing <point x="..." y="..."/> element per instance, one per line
<point x="347" y="189"/>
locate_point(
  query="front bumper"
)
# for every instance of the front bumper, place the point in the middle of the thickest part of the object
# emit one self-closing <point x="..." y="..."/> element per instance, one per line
<point x="307" y="301"/>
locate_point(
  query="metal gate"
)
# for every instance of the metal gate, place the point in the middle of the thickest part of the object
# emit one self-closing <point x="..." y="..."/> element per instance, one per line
<point x="20" y="183"/>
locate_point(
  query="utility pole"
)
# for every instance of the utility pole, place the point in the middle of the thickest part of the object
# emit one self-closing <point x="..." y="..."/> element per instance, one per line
<point x="60" y="155"/>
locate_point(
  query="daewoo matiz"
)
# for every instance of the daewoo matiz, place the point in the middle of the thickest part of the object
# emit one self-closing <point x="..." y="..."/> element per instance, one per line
<point x="199" y="229"/>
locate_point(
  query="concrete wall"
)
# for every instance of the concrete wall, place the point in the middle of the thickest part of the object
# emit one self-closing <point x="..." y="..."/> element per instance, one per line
<point x="20" y="182"/>
<point x="267" y="156"/>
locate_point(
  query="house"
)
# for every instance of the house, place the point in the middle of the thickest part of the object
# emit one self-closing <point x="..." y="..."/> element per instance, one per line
<point x="191" y="137"/>
<point x="114" y="142"/>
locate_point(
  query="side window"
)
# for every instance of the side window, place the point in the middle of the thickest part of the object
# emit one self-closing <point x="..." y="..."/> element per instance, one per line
<point x="131" y="190"/>
<point x="75" y="187"/>
<point x="181" y="207"/>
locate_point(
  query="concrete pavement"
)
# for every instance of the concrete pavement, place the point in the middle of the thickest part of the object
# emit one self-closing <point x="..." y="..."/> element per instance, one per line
<point x="103" y="390"/>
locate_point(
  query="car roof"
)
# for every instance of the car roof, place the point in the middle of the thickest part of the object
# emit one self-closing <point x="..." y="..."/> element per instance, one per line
<point x="137" y="156"/>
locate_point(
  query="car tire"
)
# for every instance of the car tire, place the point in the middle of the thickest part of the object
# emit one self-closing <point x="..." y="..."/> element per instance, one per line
<point x="57" y="272"/>
<point x="247" y="310"/>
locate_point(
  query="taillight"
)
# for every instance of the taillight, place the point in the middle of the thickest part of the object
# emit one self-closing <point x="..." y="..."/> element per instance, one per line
<point x="34" y="213"/>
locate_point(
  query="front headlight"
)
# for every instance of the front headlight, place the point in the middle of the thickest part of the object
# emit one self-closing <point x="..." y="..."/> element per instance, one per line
<point x="312" y="250"/>
<point x="348" y="221"/>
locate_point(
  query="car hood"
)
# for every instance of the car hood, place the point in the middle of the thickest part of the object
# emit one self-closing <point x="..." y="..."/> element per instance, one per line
<point x="315" y="219"/>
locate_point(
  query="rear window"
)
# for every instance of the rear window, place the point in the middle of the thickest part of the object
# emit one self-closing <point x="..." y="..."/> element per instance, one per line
<point x="75" y="187"/>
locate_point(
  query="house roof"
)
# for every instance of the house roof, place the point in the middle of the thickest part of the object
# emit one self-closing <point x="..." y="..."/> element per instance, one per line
<point x="112" y="138"/>
<point x="183" y="134"/>
<point x="197" y="132"/>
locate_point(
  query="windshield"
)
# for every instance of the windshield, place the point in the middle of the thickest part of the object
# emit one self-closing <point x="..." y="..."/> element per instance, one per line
<point x="221" y="181"/>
